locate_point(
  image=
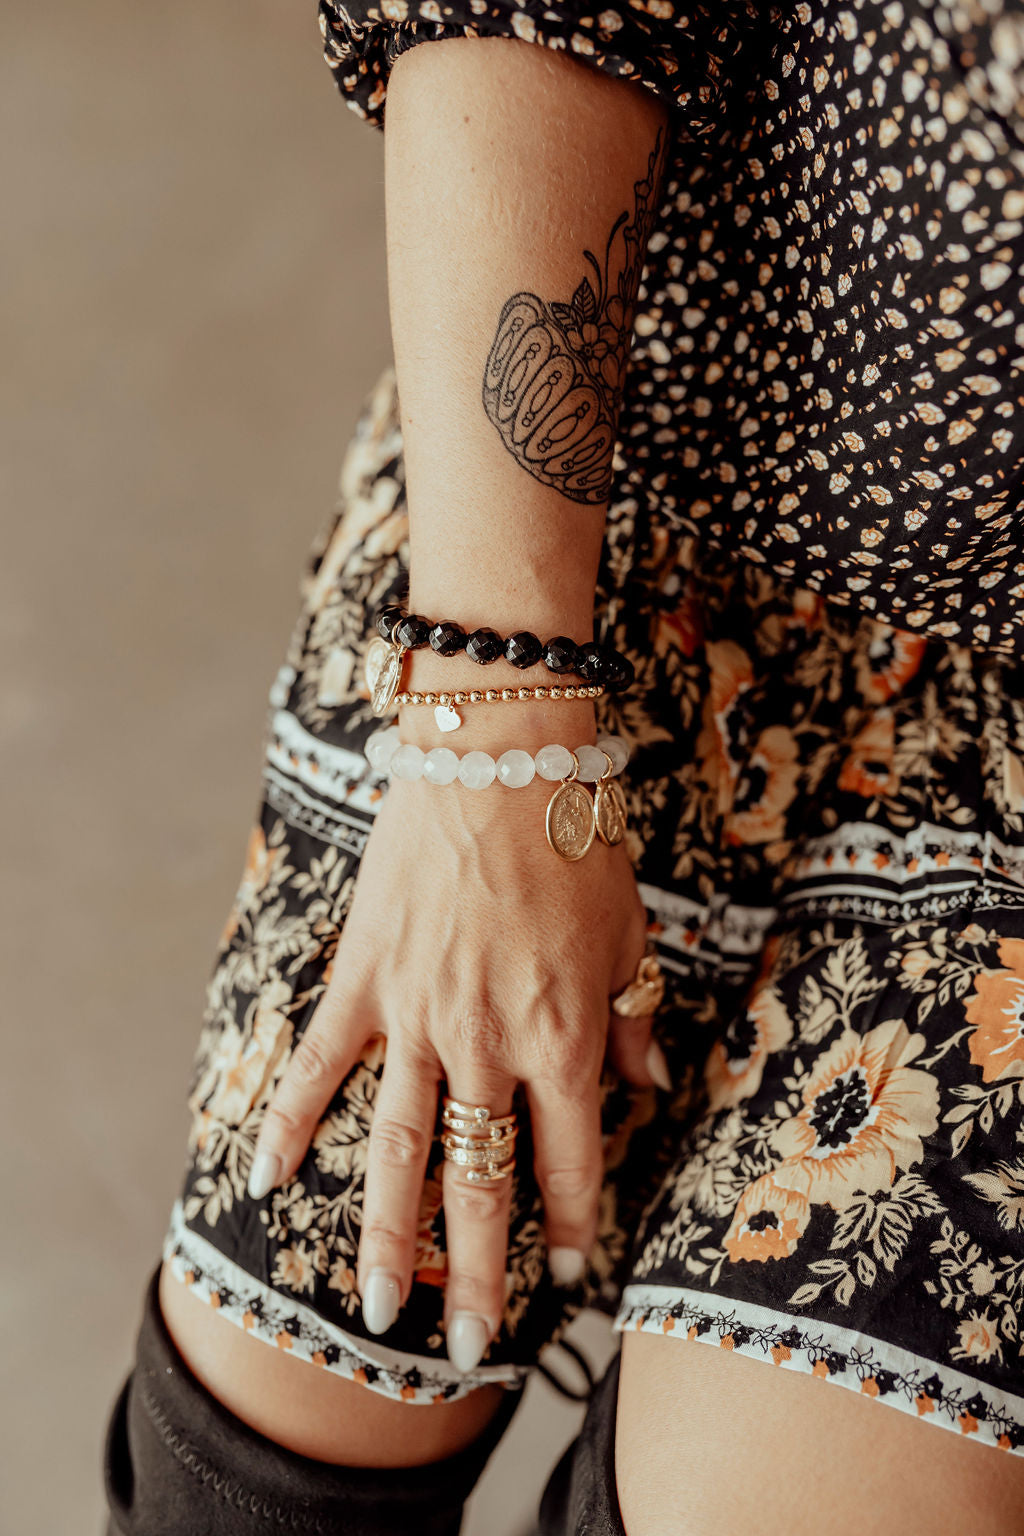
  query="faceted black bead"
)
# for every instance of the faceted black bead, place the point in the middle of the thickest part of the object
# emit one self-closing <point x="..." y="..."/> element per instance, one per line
<point x="447" y="638"/>
<point x="413" y="632"/>
<point x="523" y="649"/>
<point x="387" y="619"/>
<point x="619" y="671"/>
<point x="484" y="646"/>
<point x="560" y="654"/>
<point x="590" y="662"/>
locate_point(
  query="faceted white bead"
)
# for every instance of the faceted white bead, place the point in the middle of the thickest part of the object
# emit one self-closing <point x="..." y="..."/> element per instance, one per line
<point x="617" y="751"/>
<point x="407" y="762"/>
<point x="381" y="746"/>
<point x="441" y="766"/>
<point x="516" y="769"/>
<point x="592" y="764"/>
<point x="553" y="762"/>
<point x="477" y="770"/>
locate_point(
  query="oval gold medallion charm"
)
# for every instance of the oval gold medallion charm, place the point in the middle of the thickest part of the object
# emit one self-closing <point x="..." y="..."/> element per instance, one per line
<point x="376" y="656"/>
<point x="570" y="821"/>
<point x="387" y="674"/>
<point x="610" y="812"/>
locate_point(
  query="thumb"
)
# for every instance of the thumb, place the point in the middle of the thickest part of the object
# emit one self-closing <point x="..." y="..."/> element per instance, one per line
<point x="635" y="1053"/>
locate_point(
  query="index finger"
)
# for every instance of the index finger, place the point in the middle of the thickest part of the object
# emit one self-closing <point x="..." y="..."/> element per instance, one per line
<point x="324" y="1056"/>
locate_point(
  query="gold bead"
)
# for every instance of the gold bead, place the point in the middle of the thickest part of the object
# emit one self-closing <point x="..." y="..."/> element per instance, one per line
<point x="508" y="694"/>
<point x="416" y="698"/>
<point x="430" y="698"/>
<point x="459" y="698"/>
<point x="541" y="692"/>
<point x="444" y="698"/>
<point x="526" y="693"/>
<point x="595" y="691"/>
<point x="570" y="692"/>
<point x="475" y="696"/>
<point x="492" y="695"/>
<point x="556" y="693"/>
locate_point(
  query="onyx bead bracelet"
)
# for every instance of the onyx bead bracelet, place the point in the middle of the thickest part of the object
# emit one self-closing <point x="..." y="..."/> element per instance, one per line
<point x="590" y="661"/>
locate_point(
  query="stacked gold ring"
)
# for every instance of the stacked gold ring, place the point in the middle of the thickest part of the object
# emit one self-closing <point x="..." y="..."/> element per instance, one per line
<point x="484" y="1146"/>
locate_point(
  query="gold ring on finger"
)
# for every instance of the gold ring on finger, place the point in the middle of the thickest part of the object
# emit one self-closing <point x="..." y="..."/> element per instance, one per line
<point x="499" y="1139"/>
<point x="490" y="1175"/>
<point x="645" y="993"/>
<point x="478" y="1157"/>
<point x="476" y="1116"/>
<point x="493" y="1130"/>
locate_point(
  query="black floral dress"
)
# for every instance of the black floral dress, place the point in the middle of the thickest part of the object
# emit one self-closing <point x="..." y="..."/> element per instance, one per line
<point x="815" y="559"/>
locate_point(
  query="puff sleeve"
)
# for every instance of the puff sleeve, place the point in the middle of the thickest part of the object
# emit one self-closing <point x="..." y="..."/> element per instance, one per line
<point x="682" y="52"/>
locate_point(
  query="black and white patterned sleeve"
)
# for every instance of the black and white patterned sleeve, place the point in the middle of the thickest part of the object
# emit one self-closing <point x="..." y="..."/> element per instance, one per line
<point x="682" y="52"/>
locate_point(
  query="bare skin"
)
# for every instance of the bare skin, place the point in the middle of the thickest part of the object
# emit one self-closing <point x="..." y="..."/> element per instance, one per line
<point x="711" y="1443"/>
<point x="310" y="1411"/>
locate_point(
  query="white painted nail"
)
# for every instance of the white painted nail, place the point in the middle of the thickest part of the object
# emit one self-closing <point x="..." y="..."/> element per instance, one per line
<point x="264" y="1173"/>
<point x="381" y="1300"/>
<point x="468" y="1337"/>
<point x="567" y="1265"/>
<point x="657" y="1066"/>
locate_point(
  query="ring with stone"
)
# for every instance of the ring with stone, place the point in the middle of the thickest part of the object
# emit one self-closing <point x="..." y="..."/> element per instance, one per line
<point x="473" y="1117"/>
<point x="485" y="1156"/>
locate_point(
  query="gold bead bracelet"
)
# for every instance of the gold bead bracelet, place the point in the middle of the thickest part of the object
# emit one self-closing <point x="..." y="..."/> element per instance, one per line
<point x="501" y="695"/>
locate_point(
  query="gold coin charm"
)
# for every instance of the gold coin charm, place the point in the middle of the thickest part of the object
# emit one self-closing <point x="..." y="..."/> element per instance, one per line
<point x="376" y="656"/>
<point x="570" y="820"/>
<point x="610" y="812"/>
<point x="386" y="677"/>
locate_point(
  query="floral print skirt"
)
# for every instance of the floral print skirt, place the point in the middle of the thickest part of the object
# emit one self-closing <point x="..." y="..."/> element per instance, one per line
<point x="827" y="823"/>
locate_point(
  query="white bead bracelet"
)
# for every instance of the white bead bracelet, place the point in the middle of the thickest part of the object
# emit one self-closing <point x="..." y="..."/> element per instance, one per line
<point x="388" y="754"/>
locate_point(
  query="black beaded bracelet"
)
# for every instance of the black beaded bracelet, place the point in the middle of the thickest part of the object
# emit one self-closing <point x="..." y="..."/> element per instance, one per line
<point x="590" y="661"/>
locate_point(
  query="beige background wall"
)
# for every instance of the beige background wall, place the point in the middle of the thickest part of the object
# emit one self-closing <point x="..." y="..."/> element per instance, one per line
<point x="192" y="305"/>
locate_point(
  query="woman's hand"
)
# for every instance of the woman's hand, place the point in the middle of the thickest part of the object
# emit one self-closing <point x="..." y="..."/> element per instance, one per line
<point x="487" y="962"/>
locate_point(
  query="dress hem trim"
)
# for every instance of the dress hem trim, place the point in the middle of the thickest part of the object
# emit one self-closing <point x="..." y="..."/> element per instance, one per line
<point x="286" y="1323"/>
<point x="931" y="1391"/>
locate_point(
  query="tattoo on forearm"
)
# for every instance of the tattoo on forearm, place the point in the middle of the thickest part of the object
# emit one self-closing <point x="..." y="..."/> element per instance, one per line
<point x="554" y="374"/>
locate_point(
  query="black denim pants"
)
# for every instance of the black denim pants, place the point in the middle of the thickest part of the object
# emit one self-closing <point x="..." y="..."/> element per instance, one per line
<point x="178" y="1463"/>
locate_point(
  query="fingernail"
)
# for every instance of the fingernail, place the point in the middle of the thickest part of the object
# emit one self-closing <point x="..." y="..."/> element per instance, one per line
<point x="468" y="1337"/>
<point x="263" y="1175"/>
<point x="567" y="1265"/>
<point x="657" y="1066"/>
<point x="382" y="1298"/>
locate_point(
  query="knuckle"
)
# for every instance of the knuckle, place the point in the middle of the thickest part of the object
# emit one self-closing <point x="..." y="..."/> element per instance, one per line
<point x="379" y="1236"/>
<point x="475" y="1293"/>
<point x="282" y="1120"/>
<point x="310" y="1065"/>
<point x="477" y="1033"/>
<point x="567" y="1183"/>
<point x="570" y="1059"/>
<point x="397" y="1145"/>
<point x="475" y="1202"/>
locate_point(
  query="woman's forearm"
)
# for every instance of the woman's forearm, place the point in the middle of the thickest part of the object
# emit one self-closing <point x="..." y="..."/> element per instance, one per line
<point x="505" y="165"/>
